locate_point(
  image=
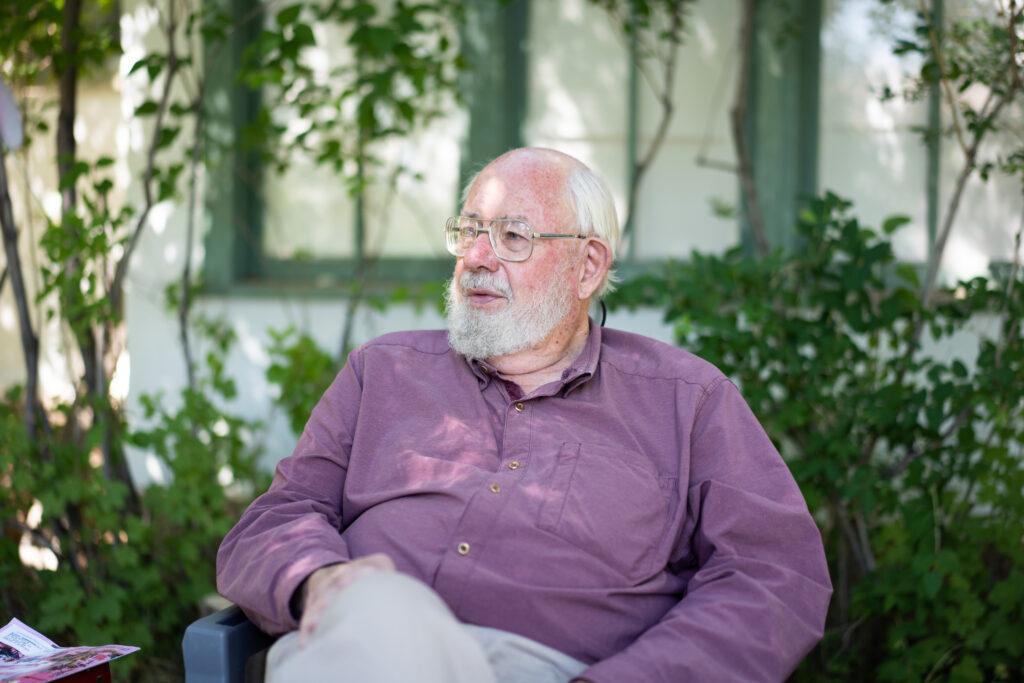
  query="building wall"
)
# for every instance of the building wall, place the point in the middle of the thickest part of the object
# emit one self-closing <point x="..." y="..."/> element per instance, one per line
<point x="577" y="103"/>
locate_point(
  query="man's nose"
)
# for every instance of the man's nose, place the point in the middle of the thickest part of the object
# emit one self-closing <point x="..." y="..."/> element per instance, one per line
<point x="481" y="254"/>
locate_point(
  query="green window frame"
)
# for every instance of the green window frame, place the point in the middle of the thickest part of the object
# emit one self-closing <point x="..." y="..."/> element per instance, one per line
<point x="782" y="130"/>
<point x="783" y="123"/>
<point x="235" y="262"/>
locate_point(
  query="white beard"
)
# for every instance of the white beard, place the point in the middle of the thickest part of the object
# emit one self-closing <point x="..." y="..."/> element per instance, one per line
<point x="519" y="325"/>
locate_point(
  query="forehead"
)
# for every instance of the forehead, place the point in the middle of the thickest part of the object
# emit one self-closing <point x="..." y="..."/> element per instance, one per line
<point x="530" y="192"/>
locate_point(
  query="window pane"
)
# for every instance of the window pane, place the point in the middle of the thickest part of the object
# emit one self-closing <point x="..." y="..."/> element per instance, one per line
<point x="309" y="213"/>
<point x="868" y="151"/>
<point x="406" y="217"/>
<point x="579" y="75"/>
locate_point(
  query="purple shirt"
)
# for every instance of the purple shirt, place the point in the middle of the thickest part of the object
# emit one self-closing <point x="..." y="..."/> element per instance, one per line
<point x="633" y="514"/>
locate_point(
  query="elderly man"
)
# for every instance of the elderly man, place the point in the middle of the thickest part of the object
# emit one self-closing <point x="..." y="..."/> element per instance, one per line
<point x="530" y="497"/>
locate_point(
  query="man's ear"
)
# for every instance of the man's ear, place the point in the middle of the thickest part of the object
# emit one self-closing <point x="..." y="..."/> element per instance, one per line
<point x="597" y="259"/>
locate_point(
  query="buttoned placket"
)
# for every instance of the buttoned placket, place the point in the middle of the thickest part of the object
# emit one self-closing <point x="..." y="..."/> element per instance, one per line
<point x="479" y="526"/>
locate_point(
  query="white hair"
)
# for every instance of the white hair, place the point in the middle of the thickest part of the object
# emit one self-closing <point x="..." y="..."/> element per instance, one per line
<point x="592" y="203"/>
<point x="594" y="207"/>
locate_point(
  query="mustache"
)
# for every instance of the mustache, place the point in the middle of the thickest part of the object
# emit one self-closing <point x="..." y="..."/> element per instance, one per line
<point x="485" y="280"/>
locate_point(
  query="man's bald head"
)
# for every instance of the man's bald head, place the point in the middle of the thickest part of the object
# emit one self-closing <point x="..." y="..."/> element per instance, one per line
<point x="567" y="194"/>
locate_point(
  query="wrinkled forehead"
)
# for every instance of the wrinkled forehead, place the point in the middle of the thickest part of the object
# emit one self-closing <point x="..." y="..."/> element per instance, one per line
<point x="535" y="193"/>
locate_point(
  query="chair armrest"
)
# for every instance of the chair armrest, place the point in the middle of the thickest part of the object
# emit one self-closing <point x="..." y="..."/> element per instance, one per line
<point x="216" y="647"/>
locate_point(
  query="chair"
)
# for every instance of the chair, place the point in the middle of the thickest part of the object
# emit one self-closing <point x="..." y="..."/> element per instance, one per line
<point x="220" y="648"/>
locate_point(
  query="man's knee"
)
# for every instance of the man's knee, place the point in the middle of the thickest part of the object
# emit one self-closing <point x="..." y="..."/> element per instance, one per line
<point x="386" y="599"/>
<point x="385" y="626"/>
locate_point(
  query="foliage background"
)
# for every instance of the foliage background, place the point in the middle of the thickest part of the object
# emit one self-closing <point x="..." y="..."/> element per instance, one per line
<point x="911" y="463"/>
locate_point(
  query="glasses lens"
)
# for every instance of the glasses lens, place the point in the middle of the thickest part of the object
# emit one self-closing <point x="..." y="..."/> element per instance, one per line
<point x="514" y="240"/>
<point x="451" y="236"/>
<point x="459" y="234"/>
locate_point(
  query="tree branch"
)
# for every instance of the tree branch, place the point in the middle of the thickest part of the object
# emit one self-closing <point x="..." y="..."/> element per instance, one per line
<point x="665" y="99"/>
<point x="970" y="165"/>
<point x="68" y="94"/>
<point x="988" y="113"/>
<point x="185" y="304"/>
<point x="67" y="152"/>
<point x="940" y="63"/>
<point x="29" y="341"/>
<point x="958" y="421"/>
<point x="865" y="560"/>
<point x="116" y="291"/>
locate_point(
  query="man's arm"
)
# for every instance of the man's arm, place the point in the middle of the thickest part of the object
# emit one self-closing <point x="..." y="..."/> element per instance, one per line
<point x="759" y="591"/>
<point x="293" y="529"/>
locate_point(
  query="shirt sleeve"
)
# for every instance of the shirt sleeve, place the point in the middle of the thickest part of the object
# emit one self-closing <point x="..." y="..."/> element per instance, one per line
<point x="759" y="588"/>
<point x="294" y="528"/>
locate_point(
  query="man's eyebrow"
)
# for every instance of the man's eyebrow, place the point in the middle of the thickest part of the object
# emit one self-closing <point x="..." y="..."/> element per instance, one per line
<point x="505" y="217"/>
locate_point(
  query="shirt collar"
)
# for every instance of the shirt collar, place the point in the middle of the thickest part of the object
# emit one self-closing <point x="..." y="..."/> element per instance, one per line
<point x="581" y="370"/>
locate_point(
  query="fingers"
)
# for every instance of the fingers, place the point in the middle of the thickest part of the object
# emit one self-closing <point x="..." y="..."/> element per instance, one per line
<point x="379" y="561"/>
<point x="325" y="583"/>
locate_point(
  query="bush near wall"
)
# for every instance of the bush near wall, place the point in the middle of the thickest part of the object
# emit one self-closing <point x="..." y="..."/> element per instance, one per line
<point x="911" y="461"/>
<point x="133" y="566"/>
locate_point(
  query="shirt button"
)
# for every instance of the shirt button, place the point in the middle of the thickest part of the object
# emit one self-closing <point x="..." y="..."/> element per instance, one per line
<point x="513" y="465"/>
<point x="463" y="548"/>
<point x="520" y="406"/>
<point x="494" y="488"/>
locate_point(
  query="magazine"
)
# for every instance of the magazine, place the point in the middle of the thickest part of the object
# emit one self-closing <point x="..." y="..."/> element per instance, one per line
<point x="27" y="656"/>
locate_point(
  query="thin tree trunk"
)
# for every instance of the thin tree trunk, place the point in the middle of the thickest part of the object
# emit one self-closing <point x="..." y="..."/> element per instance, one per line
<point x="68" y="93"/>
<point x="666" y="99"/>
<point x="357" y="290"/>
<point x="185" y="303"/>
<point x="970" y="165"/>
<point x="67" y="154"/>
<point x="29" y="340"/>
<point x="997" y="99"/>
<point x="116" y="289"/>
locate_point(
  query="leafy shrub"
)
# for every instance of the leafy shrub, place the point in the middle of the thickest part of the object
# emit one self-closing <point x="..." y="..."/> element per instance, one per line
<point x="301" y="370"/>
<point x="132" y="569"/>
<point x="909" y="458"/>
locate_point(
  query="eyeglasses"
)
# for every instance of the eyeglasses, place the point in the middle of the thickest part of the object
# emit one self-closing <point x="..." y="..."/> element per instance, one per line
<point x="511" y="239"/>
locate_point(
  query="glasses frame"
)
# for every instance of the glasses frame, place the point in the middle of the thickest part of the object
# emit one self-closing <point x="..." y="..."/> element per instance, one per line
<point x="448" y="226"/>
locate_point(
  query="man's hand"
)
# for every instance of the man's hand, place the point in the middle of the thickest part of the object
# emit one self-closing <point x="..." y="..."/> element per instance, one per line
<point x="325" y="582"/>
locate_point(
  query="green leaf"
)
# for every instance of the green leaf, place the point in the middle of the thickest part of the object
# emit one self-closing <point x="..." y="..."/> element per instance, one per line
<point x="288" y="15"/>
<point x="147" y="108"/>
<point x="967" y="670"/>
<point x="894" y="223"/>
<point x="303" y="35"/>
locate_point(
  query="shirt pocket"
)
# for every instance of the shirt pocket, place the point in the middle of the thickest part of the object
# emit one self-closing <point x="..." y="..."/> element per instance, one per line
<point x="610" y="503"/>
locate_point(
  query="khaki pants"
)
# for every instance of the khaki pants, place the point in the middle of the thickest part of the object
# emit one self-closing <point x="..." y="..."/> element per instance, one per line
<point x="388" y="628"/>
